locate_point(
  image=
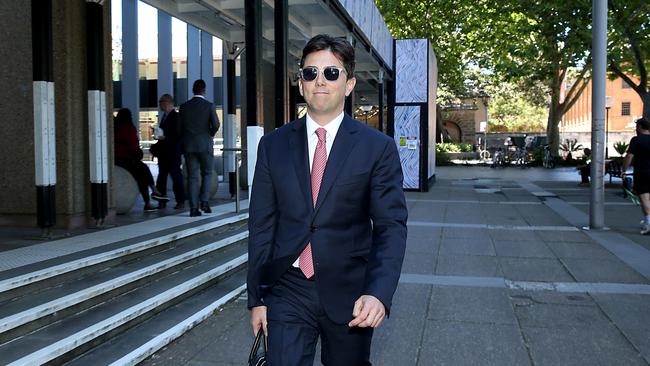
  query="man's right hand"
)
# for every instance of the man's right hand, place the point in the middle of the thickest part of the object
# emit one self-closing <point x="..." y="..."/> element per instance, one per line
<point x="258" y="319"/>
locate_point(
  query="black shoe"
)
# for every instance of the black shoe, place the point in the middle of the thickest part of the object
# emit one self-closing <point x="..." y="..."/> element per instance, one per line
<point x="205" y="207"/>
<point x="194" y="212"/>
<point x="149" y="208"/>
<point x="159" y="197"/>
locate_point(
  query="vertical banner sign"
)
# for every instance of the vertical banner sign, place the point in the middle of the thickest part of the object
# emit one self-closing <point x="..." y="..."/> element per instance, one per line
<point x="44" y="120"/>
<point x="97" y="134"/>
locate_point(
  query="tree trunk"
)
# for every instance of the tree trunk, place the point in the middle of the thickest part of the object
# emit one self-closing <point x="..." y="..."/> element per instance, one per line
<point x="554" y="117"/>
<point x="645" y="98"/>
<point x="553" y="130"/>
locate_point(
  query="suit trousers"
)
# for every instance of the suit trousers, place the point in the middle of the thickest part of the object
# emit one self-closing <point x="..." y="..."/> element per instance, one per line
<point x="295" y="321"/>
<point x="199" y="162"/>
<point x="169" y="163"/>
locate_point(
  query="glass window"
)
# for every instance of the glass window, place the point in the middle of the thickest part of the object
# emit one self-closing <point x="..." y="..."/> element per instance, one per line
<point x="625" y="85"/>
<point x="625" y="109"/>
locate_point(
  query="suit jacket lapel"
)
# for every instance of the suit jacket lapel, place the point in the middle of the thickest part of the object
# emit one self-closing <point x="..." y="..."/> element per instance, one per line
<point x="346" y="138"/>
<point x="300" y="154"/>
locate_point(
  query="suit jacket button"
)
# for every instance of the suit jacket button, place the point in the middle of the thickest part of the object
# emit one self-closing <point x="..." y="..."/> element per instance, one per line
<point x="313" y="228"/>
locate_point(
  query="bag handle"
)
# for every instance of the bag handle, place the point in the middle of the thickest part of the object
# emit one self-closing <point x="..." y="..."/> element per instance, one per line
<point x="259" y="339"/>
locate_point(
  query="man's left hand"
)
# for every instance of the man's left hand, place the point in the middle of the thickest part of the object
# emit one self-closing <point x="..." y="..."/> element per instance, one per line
<point x="368" y="312"/>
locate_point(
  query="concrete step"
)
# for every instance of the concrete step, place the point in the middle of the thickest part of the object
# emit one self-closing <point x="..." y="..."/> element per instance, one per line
<point x="108" y="294"/>
<point x="142" y="341"/>
<point x="20" y="316"/>
<point x="76" y="334"/>
<point x="23" y="279"/>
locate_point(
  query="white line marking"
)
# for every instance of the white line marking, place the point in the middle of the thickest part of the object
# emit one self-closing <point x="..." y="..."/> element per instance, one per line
<point x="494" y="227"/>
<point x="498" y="282"/>
<point x="61" y="303"/>
<point x="69" y="343"/>
<point x="22" y="280"/>
<point x="151" y="347"/>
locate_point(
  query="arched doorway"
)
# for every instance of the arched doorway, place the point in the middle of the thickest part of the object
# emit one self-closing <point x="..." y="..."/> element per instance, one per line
<point x="453" y="131"/>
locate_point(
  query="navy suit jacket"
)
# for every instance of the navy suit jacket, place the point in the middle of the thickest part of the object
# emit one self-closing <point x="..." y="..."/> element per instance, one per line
<point x="357" y="229"/>
<point x="198" y="124"/>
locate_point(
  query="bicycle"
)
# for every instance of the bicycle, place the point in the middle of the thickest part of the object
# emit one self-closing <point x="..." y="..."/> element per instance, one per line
<point x="499" y="160"/>
<point x="483" y="154"/>
<point x="522" y="157"/>
<point x="548" y="161"/>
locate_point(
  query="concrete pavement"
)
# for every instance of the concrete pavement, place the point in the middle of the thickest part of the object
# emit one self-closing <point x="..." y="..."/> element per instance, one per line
<point x="496" y="273"/>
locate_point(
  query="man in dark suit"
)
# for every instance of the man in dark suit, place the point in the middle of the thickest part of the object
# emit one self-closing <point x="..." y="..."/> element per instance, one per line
<point x="169" y="155"/>
<point x="199" y="123"/>
<point x="327" y="222"/>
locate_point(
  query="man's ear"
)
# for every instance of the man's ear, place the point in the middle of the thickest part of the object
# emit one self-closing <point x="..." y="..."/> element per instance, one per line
<point x="300" y="87"/>
<point x="349" y="86"/>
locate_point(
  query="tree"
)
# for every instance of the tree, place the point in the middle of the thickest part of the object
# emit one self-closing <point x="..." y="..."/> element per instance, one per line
<point x="442" y="22"/>
<point x="629" y="45"/>
<point x="540" y="42"/>
<point x="511" y="111"/>
<point x="533" y="42"/>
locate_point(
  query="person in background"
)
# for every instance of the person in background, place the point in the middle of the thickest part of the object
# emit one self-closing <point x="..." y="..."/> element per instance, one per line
<point x="585" y="167"/>
<point x="169" y="155"/>
<point x="638" y="156"/>
<point x="198" y="124"/>
<point x="128" y="155"/>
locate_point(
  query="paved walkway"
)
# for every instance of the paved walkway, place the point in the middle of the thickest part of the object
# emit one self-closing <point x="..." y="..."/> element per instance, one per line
<point x="498" y="271"/>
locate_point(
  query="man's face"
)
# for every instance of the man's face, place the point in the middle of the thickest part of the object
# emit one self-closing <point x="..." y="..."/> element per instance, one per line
<point x="325" y="98"/>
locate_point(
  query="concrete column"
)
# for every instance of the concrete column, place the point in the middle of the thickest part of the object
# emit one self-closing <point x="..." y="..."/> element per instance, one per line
<point x="281" y="15"/>
<point x="193" y="58"/>
<point x="44" y="116"/>
<point x="207" y="72"/>
<point x="599" y="47"/>
<point x="97" y="131"/>
<point x="254" y="93"/>
<point x="165" y="71"/>
<point x="130" y="82"/>
<point x="229" y="109"/>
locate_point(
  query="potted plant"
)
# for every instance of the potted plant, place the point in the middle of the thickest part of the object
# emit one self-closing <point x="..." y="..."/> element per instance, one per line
<point x="621" y="149"/>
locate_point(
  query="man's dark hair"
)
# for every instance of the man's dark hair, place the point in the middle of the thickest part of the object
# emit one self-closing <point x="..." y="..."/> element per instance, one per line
<point x="167" y="97"/>
<point x="643" y="123"/>
<point x="198" y="87"/>
<point x="340" y="47"/>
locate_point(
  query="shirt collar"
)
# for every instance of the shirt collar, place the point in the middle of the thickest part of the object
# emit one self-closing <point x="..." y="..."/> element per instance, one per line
<point x="198" y="96"/>
<point x="331" y="127"/>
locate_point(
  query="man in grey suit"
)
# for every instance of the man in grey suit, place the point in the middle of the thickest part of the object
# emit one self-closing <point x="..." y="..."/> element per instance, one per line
<point x="198" y="124"/>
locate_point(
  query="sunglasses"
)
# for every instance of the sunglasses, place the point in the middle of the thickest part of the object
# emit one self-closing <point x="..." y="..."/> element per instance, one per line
<point x="331" y="73"/>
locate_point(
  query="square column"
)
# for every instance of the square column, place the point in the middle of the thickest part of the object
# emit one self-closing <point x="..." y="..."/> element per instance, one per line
<point x="207" y="72"/>
<point x="130" y="82"/>
<point x="193" y="58"/>
<point x="165" y="70"/>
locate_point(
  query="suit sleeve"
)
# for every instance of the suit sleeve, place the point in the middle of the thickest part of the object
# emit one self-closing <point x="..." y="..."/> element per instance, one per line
<point x="214" y="121"/>
<point x="261" y="225"/>
<point x="389" y="214"/>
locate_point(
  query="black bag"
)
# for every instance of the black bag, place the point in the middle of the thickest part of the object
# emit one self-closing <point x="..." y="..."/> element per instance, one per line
<point x="257" y="358"/>
<point x="155" y="149"/>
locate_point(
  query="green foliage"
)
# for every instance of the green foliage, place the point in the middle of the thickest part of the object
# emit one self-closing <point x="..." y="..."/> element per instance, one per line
<point x="450" y="147"/>
<point x="628" y="49"/>
<point x="442" y="159"/>
<point x="511" y="111"/>
<point x="621" y="147"/>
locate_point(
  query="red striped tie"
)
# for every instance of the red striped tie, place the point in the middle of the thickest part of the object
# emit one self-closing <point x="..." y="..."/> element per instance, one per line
<point x="318" y="168"/>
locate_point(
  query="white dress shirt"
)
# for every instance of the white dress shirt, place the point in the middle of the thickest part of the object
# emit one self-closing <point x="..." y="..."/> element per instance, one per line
<point x="332" y="127"/>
